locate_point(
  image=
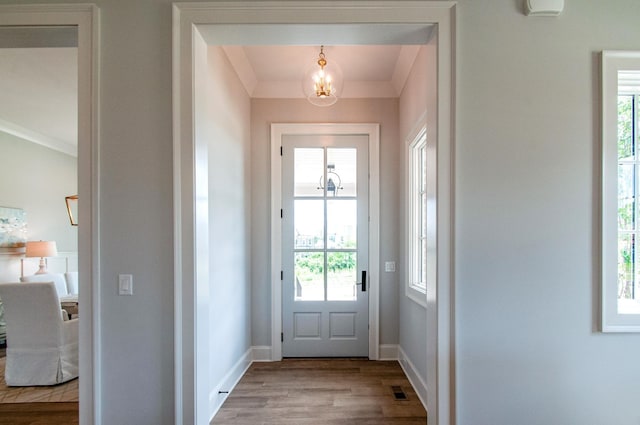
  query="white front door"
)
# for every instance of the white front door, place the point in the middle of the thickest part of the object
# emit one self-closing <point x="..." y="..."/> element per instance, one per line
<point x="325" y="214"/>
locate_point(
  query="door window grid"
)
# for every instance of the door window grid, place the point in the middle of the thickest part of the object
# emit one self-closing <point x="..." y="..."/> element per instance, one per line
<point x="328" y="273"/>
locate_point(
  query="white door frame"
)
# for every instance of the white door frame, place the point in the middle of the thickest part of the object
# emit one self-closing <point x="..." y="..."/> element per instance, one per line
<point x="277" y="132"/>
<point x="440" y="308"/>
<point x="86" y="18"/>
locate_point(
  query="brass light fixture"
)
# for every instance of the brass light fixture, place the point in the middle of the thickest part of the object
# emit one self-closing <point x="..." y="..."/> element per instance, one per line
<point x="72" y="204"/>
<point x="322" y="82"/>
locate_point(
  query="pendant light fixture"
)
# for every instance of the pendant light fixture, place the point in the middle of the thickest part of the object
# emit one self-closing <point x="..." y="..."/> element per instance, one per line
<point x="322" y="83"/>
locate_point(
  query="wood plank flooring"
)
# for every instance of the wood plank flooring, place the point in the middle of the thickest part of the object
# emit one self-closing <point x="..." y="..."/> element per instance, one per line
<point x="39" y="414"/>
<point x="321" y="392"/>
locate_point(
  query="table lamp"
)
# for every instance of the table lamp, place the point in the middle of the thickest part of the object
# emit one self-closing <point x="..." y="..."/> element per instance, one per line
<point x="42" y="249"/>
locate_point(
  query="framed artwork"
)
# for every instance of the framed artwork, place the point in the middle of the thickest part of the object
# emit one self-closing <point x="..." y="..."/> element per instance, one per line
<point x="13" y="228"/>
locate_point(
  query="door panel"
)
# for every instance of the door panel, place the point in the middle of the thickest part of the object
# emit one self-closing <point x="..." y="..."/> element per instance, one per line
<point x="325" y="245"/>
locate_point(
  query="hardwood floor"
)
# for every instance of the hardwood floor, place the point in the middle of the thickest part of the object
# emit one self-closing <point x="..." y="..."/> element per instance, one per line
<point x="39" y="414"/>
<point x="322" y="392"/>
<point x="291" y="392"/>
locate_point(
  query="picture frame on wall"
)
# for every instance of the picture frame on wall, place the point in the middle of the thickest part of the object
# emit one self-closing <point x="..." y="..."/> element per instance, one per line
<point x="13" y="230"/>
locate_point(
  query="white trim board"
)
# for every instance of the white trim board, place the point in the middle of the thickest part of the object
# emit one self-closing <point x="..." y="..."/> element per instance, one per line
<point x="388" y="352"/>
<point x="414" y="377"/>
<point x="261" y="353"/>
<point x="84" y="17"/>
<point x="219" y="394"/>
<point x="277" y="132"/>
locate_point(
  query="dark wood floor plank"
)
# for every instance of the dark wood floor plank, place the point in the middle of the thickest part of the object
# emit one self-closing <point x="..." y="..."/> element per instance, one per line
<point x="322" y="391"/>
<point x="61" y="413"/>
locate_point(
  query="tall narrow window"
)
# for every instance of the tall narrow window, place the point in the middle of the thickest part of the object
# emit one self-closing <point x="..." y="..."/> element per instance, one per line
<point x="417" y="219"/>
<point x="628" y="290"/>
<point x="621" y="192"/>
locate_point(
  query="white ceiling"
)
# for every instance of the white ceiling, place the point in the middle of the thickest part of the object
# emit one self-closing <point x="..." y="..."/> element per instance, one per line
<point x="38" y="86"/>
<point x="278" y="71"/>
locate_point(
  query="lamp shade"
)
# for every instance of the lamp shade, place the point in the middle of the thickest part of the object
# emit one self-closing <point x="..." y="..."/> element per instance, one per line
<point x="41" y="249"/>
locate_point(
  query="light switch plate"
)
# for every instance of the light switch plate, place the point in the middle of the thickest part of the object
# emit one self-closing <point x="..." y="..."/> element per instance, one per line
<point x="389" y="266"/>
<point x="125" y="284"/>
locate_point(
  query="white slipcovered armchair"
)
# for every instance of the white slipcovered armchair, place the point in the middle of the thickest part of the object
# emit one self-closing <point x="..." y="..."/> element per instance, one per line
<point x="42" y="349"/>
<point x="66" y="284"/>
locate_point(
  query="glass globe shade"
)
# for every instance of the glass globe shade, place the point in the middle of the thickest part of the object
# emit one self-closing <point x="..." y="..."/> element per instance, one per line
<point x="322" y="86"/>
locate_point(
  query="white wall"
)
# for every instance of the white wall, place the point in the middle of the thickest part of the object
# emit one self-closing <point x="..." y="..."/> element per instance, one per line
<point x="228" y="293"/>
<point x="37" y="179"/>
<point x="267" y="111"/>
<point x="417" y="98"/>
<point x="527" y="154"/>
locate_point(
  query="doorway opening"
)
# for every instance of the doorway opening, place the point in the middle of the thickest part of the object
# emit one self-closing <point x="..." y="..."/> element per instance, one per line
<point x="76" y="22"/>
<point x="344" y="225"/>
<point x="199" y="34"/>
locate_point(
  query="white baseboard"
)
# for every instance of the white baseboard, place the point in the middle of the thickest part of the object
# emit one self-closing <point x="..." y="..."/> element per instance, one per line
<point x="261" y="353"/>
<point x="220" y="393"/>
<point x="388" y="352"/>
<point x="418" y="383"/>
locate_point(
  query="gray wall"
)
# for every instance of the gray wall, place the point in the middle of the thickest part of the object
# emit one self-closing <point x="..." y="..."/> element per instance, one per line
<point x="267" y="111"/>
<point x="136" y="216"/>
<point x="37" y="179"/>
<point x="526" y="216"/>
<point x="527" y="154"/>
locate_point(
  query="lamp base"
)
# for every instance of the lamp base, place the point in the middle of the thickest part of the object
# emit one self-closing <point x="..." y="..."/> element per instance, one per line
<point x="43" y="267"/>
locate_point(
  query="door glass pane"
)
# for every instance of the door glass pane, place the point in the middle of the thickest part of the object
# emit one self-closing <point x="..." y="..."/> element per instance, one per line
<point x="342" y="223"/>
<point x="309" y="276"/>
<point x="308" y="171"/>
<point x="309" y="223"/>
<point x="341" y="276"/>
<point x="626" y="196"/>
<point x="341" y="172"/>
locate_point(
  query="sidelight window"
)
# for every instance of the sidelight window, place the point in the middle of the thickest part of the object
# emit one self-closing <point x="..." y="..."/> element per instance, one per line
<point x="620" y="310"/>
<point x="417" y="218"/>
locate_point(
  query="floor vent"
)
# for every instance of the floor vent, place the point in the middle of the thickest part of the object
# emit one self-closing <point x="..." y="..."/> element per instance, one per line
<point x="398" y="393"/>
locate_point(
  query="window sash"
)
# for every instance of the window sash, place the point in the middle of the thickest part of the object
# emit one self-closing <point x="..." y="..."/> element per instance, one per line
<point x="417" y="219"/>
